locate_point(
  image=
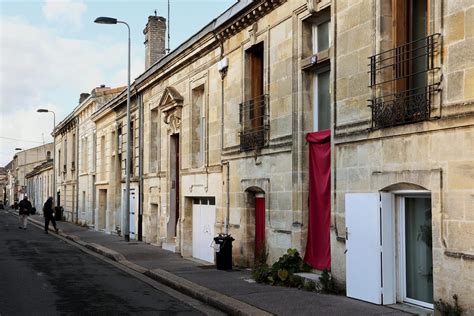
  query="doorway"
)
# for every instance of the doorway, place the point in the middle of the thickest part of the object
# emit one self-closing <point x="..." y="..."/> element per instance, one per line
<point x="174" y="186"/>
<point x="102" y="209"/>
<point x="204" y="219"/>
<point x="416" y="255"/>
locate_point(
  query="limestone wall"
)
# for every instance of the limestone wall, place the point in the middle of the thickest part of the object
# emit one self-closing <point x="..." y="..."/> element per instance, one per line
<point x="436" y="154"/>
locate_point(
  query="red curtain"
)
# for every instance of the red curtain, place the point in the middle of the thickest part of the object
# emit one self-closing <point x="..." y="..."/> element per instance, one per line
<point x="318" y="251"/>
<point x="259" y="223"/>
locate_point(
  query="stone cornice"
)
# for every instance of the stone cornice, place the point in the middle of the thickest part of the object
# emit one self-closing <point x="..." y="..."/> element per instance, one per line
<point x="248" y="18"/>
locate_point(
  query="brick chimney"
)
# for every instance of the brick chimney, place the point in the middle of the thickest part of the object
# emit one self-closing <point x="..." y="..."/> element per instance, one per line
<point x="83" y="96"/>
<point x="155" y="35"/>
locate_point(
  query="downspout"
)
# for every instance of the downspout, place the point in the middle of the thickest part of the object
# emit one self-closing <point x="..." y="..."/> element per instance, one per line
<point x="333" y="132"/>
<point x="226" y="223"/>
<point x="140" y="164"/>
<point x="227" y="163"/>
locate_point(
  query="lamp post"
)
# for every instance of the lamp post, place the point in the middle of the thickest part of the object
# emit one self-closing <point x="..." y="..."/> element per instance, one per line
<point x="126" y="215"/>
<point x="55" y="199"/>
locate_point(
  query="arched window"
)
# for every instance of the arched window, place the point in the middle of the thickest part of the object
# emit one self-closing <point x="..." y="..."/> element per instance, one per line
<point x="48" y="155"/>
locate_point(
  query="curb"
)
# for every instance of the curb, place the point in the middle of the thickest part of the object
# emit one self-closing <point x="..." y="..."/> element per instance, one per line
<point x="223" y="302"/>
<point x="213" y="298"/>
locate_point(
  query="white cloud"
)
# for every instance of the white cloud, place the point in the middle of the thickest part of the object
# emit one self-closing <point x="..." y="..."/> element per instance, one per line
<point x="67" y="12"/>
<point x="39" y="68"/>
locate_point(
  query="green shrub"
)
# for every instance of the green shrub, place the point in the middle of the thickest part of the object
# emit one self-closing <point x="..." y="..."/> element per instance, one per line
<point x="328" y="285"/>
<point x="283" y="271"/>
<point x="261" y="273"/>
<point x="447" y="309"/>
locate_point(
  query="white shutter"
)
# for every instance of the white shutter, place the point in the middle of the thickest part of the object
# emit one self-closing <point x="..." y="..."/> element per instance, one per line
<point x="363" y="264"/>
<point x="370" y="245"/>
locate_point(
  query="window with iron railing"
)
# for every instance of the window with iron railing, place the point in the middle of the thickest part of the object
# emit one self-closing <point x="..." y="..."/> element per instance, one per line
<point x="254" y="123"/>
<point x="403" y="81"/>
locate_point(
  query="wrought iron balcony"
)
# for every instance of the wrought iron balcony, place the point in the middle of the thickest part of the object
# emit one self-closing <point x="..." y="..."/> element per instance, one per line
<point x="254" y="123"/>
<point x="403" y="81"/>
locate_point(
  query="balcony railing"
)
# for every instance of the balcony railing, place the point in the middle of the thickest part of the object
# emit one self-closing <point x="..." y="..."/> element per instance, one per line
<point x="403" y="81"/>
<point x="254" y="123"/>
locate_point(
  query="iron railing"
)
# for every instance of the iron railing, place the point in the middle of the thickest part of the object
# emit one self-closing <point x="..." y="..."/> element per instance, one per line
<point x="403" y="81"/>
<point x="254" y="123"/>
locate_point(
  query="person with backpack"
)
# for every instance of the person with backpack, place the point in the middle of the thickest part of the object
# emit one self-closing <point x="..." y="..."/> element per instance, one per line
<point x="49" y="215"/>
<point x="24" y="211"/>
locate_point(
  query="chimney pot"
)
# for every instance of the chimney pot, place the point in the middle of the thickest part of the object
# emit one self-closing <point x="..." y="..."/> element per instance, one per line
<point x="83" y="96"/>
<point x="155" y="40"/>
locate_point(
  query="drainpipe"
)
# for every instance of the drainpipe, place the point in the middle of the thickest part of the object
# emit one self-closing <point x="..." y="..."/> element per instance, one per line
<point x="333" y="92"/>
<point x="227" y="216"/>
<point x="223" y="73"/>
<point x="140" y="164"/>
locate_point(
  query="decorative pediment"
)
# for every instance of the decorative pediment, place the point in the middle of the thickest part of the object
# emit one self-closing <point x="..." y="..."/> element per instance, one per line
<point x="171" y="103"/>
<point x="170" y="97"/>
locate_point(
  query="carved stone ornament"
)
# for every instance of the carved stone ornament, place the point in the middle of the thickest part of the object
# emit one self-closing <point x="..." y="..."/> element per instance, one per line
<point x="173" y="120"/>
<point x="171" y="103"/>
<point x="312" y="6"/>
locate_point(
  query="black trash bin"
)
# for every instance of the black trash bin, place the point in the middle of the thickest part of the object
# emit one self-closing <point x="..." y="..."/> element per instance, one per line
<point x="58" y="213"/>
<point x="223" y="251"/>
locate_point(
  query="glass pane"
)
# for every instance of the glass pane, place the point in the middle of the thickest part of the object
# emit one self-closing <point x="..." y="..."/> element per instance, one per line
<point x="323" y="36"/>
<point x="418" y="249"/>
<point x="324" y="101"/>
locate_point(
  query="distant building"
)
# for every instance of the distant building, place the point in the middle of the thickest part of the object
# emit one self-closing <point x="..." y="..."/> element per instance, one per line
<point x="75" y="145"/>
<point x="40" y="184"/>
<point x="23" y="163"/>
<point x="3" y="185"/>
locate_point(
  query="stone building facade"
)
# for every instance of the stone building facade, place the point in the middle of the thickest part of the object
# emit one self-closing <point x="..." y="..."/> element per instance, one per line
<point x="403" y="162"/>
<point x="40" y="184"/>
<point x="224" y="119"/>
<point x="23" y="163"/>
<point x="87" y="151"/>
<point x="74" y="137"/>
<point x="219" y="132"/>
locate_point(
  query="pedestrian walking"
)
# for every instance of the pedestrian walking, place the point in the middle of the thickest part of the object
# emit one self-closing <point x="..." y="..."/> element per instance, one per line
<point x="49" y="215"/>
<point x="24" y="211"/>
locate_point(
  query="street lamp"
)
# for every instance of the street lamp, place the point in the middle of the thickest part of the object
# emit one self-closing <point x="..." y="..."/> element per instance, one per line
<point x="126" y="215"/>
<point x="54" y="154"/>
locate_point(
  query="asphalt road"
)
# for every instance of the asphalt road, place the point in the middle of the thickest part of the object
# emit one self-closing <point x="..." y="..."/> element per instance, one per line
<point x="43" y="275"/>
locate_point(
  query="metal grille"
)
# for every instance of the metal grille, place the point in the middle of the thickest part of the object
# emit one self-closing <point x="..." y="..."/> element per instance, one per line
<point x="403" y="81"/>
<point x="254" y="122"/>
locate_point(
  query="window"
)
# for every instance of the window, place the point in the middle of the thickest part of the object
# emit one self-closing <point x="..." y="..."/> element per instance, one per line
<point x="48" y="155"/>
<point x="321" y="100"/>
<point x="132" y="149"/>
<point x="65" y="156"/>
<point x="73" y="156"/>
<point x="102" y="158"/>
<point x="401" y="91"/>
<point x="316" y="62"/>
<point x="85" y="154"/>
<point x="153" y="140"/>
<point x="198" y="127"/>
<point x="253" y="112"/>
<point x="321" y="36"/>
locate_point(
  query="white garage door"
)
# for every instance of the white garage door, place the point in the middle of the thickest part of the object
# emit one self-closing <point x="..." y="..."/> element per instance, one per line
<point x="204" y="218"/>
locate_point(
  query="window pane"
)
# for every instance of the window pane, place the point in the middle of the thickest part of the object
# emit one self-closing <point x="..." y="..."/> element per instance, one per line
<point x="323" y="36"/>
<point x="324" y="101"/>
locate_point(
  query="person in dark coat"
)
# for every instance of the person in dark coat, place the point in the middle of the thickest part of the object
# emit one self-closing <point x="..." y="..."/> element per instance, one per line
<point x="49" y="215"/>
<point x="24" y="208"/>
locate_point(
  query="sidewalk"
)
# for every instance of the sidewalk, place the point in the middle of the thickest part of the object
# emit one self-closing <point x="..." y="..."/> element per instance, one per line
<point x="229" y="291"/>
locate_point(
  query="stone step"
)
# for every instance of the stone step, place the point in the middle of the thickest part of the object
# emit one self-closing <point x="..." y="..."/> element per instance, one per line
<point x="169" y="246"/>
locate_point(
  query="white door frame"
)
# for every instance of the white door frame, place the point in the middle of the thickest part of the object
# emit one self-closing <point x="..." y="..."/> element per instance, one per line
<point x="402" y="251"/>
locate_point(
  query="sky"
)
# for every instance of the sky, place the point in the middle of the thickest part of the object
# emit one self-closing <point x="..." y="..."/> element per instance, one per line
<point x="51" y="51"/>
